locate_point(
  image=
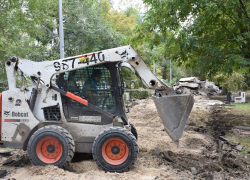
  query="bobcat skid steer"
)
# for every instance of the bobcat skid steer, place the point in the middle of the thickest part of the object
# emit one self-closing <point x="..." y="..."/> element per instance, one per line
<point x="75" y="105"/>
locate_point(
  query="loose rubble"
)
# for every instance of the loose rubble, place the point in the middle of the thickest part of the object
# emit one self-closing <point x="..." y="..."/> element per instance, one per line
<point x="242" y="130"/>
<point x="226" y="144"/>
<point x="193" y="170"/>
<point x="5" y="152"/>
<point x="193" y="85"/>
<point x="3" y="173"/>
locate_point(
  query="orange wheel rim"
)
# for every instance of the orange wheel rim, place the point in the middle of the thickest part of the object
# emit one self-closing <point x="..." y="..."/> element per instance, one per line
<point x="115" y="151"/>
<point x="49" y="150"/>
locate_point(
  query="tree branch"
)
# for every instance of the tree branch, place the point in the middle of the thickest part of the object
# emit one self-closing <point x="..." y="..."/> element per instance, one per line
<point x="210" y="55"/>
<point x="244" y="9"/>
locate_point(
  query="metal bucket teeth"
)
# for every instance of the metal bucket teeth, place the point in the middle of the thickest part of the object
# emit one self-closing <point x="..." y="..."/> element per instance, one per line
<point x="174" y="111"/>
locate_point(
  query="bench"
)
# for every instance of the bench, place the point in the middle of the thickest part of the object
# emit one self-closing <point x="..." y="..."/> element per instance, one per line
<point x="241" y="98"/>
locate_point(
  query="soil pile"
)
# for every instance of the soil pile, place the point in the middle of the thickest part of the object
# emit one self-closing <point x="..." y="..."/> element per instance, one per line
<point x="197" y="157"/>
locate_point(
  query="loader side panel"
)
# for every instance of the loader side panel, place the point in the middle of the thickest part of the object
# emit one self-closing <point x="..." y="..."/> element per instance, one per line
<point x="17" y="118"/>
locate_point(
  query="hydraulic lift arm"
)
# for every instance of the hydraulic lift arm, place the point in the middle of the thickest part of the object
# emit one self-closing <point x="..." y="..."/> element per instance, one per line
<point x="45" y="70"/>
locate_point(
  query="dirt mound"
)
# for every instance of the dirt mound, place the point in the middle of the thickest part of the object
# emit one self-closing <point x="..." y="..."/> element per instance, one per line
<point x="201" y="111"/>
<point x="197" y="157"/>
<point x="222" y="121"/>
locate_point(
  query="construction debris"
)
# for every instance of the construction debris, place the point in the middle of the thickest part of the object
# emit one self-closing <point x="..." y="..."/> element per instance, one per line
<point x="3" y="173"/>
<point x="241" y="130"/>
<point x="193" y="85"/>
<point x="157" y="151"/>
<point x="224" y="139"/>
<point x="5" y="152"/>
<point x="245" y="128"/>
<point x="226" y="144"/>
<point x="239" y="147"/>
<point x="200" y="129"/>
<point x="8" y="161"/>
<point x="166" y="156"/>
<point x="193" y="170"/>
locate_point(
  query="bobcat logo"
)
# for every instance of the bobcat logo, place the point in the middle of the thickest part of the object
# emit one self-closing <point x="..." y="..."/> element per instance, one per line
<point x="6" y="113"/>
<point x="18" y="102"/>
<point x="124" y="54"/>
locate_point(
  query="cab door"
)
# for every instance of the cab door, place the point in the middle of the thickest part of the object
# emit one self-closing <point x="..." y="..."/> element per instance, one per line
<point x="101" y="93"/>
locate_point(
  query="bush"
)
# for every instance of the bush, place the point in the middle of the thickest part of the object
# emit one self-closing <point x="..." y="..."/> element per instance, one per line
<point x="138" y="93"/>
<point x="235" y="81"/>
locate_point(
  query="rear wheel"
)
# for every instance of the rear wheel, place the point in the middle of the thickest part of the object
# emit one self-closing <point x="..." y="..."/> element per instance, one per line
<point x="51" y="145"/>
<point x="115" y="150"/>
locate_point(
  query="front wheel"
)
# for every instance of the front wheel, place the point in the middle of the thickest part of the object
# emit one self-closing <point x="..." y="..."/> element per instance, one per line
<point x="115" y="150"/>
<point x="51" y="145"/>
<point x="133" y="130"/>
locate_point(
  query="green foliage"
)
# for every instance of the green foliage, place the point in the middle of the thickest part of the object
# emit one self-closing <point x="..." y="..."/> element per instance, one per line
<point x="211" y="35"/>
<point x="138" y="93"/>
<point x="22" y="24"/>
<point x="29" y="29"/>
<point x="160" y="56"/>
<point x="130" y="78"/>
<point x="87" y="28"/>
<point x="243" y="108"/>
<point x="235" y="81"/>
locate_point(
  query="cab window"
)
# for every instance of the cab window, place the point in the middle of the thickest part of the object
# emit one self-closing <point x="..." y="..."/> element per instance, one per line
<point x="93" y="84"/>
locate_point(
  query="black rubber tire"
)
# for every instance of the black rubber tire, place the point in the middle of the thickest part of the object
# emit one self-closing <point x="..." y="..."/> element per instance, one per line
<point x="133" y="130"/>
<point x="118" y="133"/>
<point x="60" y="134"/>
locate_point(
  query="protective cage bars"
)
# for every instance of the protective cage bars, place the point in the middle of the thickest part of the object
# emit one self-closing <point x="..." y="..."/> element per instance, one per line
<point x="81" y="82"/>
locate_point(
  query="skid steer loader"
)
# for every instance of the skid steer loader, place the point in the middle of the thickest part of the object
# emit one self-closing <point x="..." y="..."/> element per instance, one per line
<point x="75" y="105"/>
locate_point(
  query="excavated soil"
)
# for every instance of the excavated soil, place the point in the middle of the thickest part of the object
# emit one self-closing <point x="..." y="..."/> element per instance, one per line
<point x="197" y="156"/>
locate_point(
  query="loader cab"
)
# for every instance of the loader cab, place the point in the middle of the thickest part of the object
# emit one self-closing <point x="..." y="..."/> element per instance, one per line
<point x="101" y="85"/>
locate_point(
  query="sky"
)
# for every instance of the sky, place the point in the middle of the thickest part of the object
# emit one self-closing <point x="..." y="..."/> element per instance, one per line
<point x="121" y="5"/>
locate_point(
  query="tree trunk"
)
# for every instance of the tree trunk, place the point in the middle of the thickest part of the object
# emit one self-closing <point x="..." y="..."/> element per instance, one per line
<point x="224" y="91"/>
<point x="164" y="71"/>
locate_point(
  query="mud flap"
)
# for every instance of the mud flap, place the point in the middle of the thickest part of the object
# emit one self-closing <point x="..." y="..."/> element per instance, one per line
<point x="174" y="111"/>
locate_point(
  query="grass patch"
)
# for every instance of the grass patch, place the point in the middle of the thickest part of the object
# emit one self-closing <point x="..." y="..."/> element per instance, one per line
<point x="239" y="108"/>
<point x="238" y="115"/>
<point x="6" y="149"/>
<point x="244" y="141"/>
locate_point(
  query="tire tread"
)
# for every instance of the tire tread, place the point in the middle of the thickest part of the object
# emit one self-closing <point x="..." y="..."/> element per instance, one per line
<point x="124" y="132"/>
<point x="62" y="132"/>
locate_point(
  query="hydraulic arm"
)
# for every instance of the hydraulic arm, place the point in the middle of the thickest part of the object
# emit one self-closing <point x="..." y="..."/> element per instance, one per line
<point x="47" y="69"/>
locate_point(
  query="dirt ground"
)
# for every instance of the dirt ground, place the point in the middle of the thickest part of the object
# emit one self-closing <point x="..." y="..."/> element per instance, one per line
<point x="197" y="157"/>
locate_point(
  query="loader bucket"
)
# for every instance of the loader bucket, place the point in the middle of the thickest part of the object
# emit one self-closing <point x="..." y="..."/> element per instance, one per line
<point x="174" y="111"/>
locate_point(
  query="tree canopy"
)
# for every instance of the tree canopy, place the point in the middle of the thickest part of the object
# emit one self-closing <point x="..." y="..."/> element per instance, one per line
<point x="206" y="37"/>
<point x="22" y="22"/>
<point x="213" y="36"/>
<point x="29" y="29"/>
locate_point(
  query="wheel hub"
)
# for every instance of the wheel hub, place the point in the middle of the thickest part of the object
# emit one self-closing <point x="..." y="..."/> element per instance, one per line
<point x="115" y="150"/>
<point x="49" y="150"/>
